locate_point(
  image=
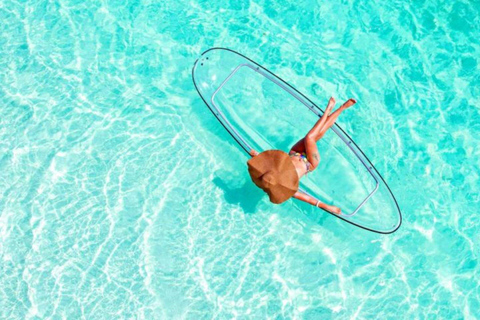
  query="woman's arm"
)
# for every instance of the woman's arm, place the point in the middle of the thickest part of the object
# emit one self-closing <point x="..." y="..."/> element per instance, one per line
<point x="314" y="202"/>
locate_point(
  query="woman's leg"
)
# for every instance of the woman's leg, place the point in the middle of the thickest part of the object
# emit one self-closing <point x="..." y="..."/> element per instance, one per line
<point x="300" y="145"/>
<point x="333" y="117"/>
<point x="314" y="135"/>
<point x="309" y="143"/>
<point x="317" y="128"/>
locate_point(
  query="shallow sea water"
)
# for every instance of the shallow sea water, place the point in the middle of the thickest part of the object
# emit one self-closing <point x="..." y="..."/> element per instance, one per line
<point x="122" y="196"/>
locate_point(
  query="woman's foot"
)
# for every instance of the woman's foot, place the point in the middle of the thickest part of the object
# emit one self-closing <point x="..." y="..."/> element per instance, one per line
<point x="330" y="105"/>
<point x="350" y="102"/>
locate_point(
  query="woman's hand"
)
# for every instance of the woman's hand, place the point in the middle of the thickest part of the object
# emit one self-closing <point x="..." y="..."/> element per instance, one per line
<point x="335" y="210"/>
<point x="253" y="153"/>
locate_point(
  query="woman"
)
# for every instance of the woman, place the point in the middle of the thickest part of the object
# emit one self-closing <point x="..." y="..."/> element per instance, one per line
<point x="278" y="173"/>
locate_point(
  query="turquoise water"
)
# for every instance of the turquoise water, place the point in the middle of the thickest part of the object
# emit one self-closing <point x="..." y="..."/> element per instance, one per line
<point x="122" y="196"/>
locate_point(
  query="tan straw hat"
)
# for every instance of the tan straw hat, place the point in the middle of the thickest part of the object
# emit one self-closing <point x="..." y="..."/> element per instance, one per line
<point x="273" y="172"/>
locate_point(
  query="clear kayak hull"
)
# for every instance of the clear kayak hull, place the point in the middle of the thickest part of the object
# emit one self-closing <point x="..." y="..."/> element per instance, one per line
<point x="261" y="112"/>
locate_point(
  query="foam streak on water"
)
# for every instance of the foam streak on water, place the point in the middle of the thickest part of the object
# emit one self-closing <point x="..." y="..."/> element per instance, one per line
<point x="121" y="195"/>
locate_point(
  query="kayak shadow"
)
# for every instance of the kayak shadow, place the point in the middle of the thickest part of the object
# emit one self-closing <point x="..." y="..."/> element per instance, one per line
<point x="246" y="196"/>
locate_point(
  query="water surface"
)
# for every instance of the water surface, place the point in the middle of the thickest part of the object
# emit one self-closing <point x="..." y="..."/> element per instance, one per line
<point x="123" y="196"/>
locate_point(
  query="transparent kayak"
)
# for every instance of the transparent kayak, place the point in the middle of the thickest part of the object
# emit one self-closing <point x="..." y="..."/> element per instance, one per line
<point x="261" y="112"/>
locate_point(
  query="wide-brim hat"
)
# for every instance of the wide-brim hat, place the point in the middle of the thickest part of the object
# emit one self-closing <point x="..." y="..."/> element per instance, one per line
<point x="273" y="172"/>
